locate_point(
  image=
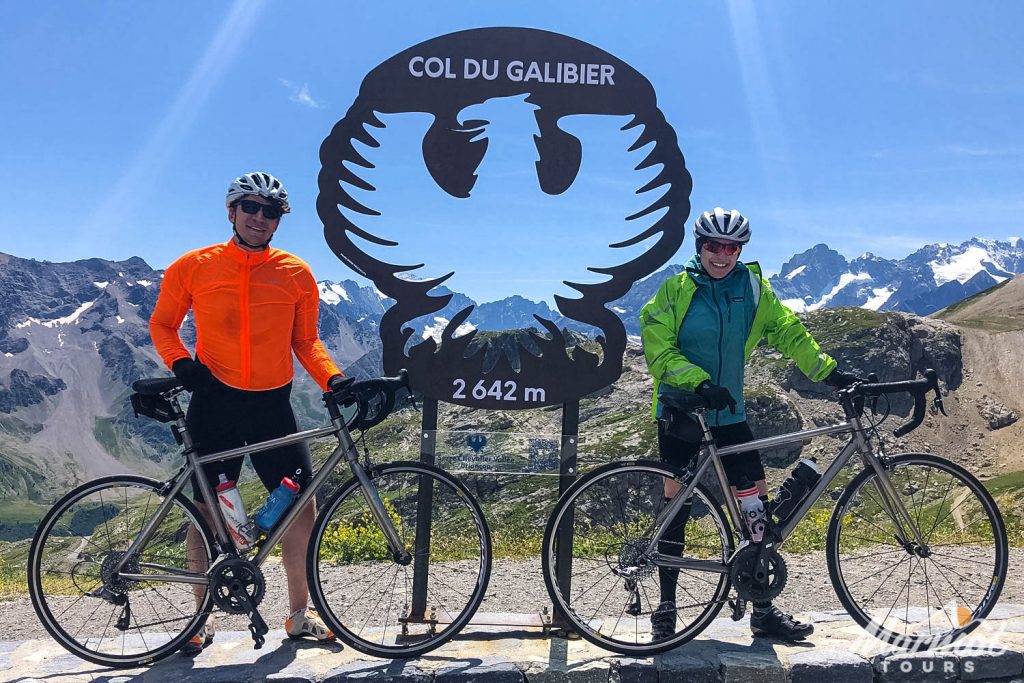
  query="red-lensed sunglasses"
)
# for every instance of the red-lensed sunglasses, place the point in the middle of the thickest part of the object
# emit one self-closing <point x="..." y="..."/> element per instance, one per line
<point x="727" y="248"/>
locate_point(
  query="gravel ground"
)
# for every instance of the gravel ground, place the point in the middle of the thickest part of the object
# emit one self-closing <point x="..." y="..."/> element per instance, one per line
<point x="515" y="586"/>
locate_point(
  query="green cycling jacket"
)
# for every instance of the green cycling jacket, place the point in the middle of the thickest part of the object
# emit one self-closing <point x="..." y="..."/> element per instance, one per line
<point x="692" y="329"/>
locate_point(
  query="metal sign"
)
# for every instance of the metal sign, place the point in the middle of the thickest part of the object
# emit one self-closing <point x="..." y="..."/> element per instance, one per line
<point x="560" y="76"/>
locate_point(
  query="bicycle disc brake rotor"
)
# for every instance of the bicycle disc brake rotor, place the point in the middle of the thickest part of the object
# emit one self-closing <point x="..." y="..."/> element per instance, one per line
<point x="232" y="577"/>
<point x="112" y="580"/>
<point x="758" y="584"/>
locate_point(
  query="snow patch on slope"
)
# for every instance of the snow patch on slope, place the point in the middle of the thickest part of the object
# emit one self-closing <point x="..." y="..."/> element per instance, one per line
<point x="66" y="320"/>
<point x="961" y="267"/>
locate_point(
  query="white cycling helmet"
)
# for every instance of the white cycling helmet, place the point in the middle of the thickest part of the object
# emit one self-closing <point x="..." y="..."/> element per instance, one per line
<point x="261" y="183"/>
<point x="720" y="224"/>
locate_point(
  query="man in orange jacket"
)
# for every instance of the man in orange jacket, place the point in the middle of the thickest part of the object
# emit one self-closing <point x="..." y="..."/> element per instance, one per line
<point x="253" y="306"/>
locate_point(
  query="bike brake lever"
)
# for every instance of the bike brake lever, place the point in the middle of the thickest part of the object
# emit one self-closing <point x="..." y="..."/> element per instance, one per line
<point x="412" y="399"/>
<point x="937" y="405"/>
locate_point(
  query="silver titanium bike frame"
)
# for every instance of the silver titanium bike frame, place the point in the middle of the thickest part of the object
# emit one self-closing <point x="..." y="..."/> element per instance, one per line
<point x="193" y="466"/>
<point x="860" y="443"/>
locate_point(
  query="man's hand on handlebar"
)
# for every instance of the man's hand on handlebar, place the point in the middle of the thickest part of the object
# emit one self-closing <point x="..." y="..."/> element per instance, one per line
<point x="340" y="387"/>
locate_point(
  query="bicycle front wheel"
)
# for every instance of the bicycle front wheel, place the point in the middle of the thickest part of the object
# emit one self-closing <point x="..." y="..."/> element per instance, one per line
<point x="614" y="586"/>
<point x="89" y="608"/>
<point x="914" y="596"/>
<point x="385" y="606"/>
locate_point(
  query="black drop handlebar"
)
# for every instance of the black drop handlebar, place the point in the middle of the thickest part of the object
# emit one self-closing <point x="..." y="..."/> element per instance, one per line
<point x="374" y="398"/>
<point x="918" y="388"/>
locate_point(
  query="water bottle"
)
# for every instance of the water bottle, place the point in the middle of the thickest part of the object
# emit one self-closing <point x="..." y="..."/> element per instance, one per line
<point x="233" y="509"/>
<point x="752" y="509"/>
<point x="794" y="490"/>
<point x="277" y="504"/>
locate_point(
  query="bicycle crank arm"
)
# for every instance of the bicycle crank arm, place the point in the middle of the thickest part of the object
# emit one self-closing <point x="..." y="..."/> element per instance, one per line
<point x="257" y="627"/>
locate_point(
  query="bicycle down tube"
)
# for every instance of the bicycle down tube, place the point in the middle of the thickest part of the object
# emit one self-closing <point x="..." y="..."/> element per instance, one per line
<point x="345" y="448"/>
<point x="857" y="444"/>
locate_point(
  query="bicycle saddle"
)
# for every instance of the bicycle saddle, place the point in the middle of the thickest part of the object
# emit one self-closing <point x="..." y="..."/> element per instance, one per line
<point x="153" y="387"/>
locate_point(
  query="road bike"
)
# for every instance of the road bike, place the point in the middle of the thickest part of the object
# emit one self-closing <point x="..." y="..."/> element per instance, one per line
<point x="916" y="547"/>
<point x="398" y="559"/>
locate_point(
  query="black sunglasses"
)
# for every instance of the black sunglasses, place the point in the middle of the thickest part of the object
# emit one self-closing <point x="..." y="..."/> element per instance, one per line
<point x="270" y="211"/>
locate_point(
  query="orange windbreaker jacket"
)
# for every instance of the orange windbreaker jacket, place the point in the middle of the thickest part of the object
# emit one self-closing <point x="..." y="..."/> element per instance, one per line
<point x="252" y="309"/>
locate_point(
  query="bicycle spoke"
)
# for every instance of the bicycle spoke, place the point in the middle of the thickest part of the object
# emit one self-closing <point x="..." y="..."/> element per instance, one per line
<point x="886" y="579"/>
<point x="949" y="486"/>
<point x="954" y="514"/>
<point x="360" y="560"/>
<point x="941" y="566"/>
<point x="960" y="558"/>
<point x="953" y="586"/>
<point x="881" y="552"/>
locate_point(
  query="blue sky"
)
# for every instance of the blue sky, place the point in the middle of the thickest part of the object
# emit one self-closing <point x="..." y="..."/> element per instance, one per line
<point x="869" y="126"/>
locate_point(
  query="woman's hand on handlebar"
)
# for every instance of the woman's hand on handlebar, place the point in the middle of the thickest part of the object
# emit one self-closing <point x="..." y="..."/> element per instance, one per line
<point x="838" y="379"/>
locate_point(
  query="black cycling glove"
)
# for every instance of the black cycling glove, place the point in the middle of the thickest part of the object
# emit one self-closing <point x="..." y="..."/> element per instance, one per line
<point x="840" y="380"/>
<point x="341" y="387"/>
<point x="717" y="398"/>
<point x="192" y="374"/>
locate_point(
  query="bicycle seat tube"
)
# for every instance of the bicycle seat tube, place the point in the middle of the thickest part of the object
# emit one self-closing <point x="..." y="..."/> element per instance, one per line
<point x="171" y="489"/>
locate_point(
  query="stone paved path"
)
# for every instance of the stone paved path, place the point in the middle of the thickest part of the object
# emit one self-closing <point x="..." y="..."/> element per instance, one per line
<point x="839" y="650"/>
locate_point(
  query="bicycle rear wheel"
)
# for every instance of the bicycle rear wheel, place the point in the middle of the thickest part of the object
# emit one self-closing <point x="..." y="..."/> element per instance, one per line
<point x="368" y="597"/>
<point x="74" y="552"/>
<point x="610" y="513"/>
<point x="910" y="596"/>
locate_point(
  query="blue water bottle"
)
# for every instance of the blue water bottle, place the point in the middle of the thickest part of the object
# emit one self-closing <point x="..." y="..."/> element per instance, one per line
<point x="277" y="504"/>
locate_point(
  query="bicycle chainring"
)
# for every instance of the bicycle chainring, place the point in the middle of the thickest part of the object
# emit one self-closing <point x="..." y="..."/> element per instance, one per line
<point x="235" y="576"/>
<point x="752" y="584"/>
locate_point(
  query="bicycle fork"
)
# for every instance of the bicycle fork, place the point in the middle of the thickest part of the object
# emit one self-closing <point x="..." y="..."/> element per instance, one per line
<point x="898" y="512"/>
<point x="380" y="514"/>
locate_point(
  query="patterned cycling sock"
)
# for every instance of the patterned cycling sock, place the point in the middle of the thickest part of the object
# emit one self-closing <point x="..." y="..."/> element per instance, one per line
<point x="761" y="608"/>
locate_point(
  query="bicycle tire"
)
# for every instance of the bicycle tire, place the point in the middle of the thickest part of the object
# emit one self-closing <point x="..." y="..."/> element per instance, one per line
<point x="919" y="479"/>
<point x="710" y="522"/>
<point x="88" y="572"/>
<point x="346" y="541"/>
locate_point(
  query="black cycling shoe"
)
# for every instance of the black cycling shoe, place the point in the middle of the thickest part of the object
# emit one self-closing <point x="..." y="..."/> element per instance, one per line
<point x="663" y="621"/>
<point x="777" y="624"/>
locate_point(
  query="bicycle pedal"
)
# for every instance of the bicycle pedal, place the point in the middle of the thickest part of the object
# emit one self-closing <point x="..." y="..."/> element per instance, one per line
<point x="738" y="607"/>
<point x="257" y="637"/>
<point x="257" y="628"/>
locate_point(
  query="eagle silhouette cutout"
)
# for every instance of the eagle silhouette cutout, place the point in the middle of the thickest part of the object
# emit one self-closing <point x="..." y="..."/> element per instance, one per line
<point x="420" y="147"/>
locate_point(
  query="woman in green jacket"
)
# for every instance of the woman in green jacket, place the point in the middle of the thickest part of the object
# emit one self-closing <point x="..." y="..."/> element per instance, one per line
<point x="698" y="331"/>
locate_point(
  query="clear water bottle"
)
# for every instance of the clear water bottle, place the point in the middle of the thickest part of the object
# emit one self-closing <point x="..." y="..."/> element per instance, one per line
<point x="277" y="504"/>
<point x="794" y="490"/>
<point x="752" y="509"/>
<point x="233" y="509"/>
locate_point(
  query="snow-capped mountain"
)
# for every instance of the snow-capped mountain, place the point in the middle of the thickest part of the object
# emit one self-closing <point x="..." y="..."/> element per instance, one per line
<point x="926" y="281"/>
<point x="74" y="336"/>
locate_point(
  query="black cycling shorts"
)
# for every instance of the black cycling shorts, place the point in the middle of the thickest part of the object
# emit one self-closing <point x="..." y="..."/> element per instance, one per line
<point x="222" y="417"/>
<point x="738" y="466"/>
